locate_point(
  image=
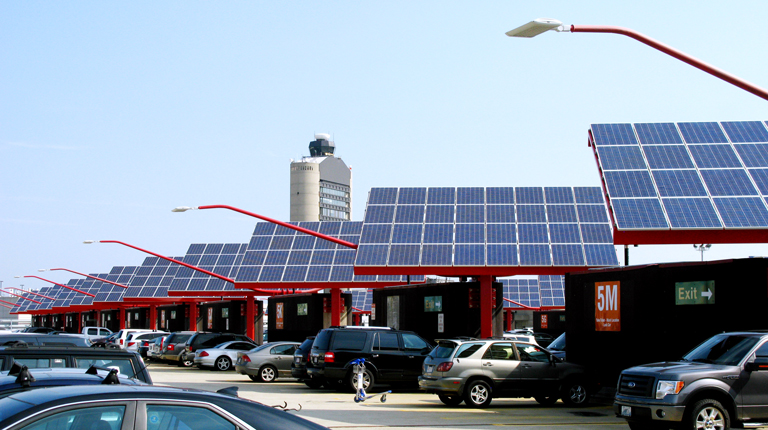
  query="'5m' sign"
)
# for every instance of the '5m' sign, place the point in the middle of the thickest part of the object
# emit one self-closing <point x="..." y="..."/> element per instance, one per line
<point x="607" y="306"/>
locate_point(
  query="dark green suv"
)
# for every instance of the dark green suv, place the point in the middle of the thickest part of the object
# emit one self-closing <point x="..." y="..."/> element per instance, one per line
<point x="391" y="356"/>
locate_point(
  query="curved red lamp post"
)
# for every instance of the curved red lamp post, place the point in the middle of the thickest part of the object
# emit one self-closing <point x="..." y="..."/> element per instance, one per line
<point x="542" y="25"/>
<point x="61" y="285"/>
<point x="10" y="303"/>
<point x="36" y="294"/>
<point x="87" y="276"/>
<point x="25" y="298"/>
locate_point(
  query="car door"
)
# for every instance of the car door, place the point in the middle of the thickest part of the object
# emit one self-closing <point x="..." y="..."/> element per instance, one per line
<point x="233" y="348"/>
<point x="753" y="398"/>
<point x="387" y="356"/>
<point x="282" y="356"/>
<point x="500" y="362"/>
<point x="415" y="349"/>
<point x="538" y="374"/>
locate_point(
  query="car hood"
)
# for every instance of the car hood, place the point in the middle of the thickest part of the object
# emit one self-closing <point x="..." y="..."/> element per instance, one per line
<point x="681" y="368"/>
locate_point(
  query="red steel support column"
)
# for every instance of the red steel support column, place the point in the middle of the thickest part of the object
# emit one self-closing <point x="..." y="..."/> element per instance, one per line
<point x="193" y="316"/>
<point x="250" y="317"/>
<point x="153" y="317"/>
<point x="123" y="314"/>
<point x="335" y="306"/>
<point x="486" y="306"/>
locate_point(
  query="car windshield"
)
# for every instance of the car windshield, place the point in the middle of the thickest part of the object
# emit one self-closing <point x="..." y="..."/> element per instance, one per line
<point x="723" y="349"/>
<point x="558" y="344"/>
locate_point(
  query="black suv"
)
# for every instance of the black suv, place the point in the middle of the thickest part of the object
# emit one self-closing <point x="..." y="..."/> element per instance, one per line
<point x="202" y="340"/>
<point x="391" y="356"/>
<point x="299" y="364"/>
<point x="129" y="363"/>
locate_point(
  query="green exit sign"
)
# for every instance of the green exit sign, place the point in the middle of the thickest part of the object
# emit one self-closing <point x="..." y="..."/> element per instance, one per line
<point x="695" y="293"/>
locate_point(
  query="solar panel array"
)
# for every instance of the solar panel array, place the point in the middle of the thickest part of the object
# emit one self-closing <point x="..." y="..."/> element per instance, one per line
<point x="220" y="258"/>
<point x="280" y="254"/>
<point x="544" y="291"/>
<point x="113" y="293"/>
<point x="361" y="300"/>
<point x="29" y="305"/>
<point x="703" y="175"/>
<point x="476" y="227"/>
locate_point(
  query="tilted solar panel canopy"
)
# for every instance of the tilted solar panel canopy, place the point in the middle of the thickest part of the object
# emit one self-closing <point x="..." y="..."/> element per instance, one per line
<point x="547" y="291"/>
<point x="687" y="182"/>
<point x="499" y="231"/>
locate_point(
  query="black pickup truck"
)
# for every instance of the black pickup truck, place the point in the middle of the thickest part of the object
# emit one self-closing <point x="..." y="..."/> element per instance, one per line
<point x="723" y="382"/>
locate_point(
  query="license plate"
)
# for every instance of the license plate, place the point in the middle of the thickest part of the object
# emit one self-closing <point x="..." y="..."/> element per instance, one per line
<point x="429" y="368"/>
<point x="626" y="411"/>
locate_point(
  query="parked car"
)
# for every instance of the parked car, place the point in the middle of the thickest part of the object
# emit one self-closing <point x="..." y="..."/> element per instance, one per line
<point x="21" y="378"/>
<point x="42" y="339"/>
<point x="299" y="364"/>
<point x="115" y="407"/>
<point x="222" y="356"/>
<point x="122" y="335"/>
<point x="723" y="382"/>
<point x="93" y="333"/>
<point x="128" y="363"/>
<point x="557" y="347"/>
<point x="391" y="356"/>
<point x="173" y="347"/>
<point x="155" y="347"/>
<point x="267" y="362"/>
<point x="135" y="341"/>
<point x="201" y="340"/>
<point x="41" y="330"/>
<point x="520" y="336"/>
<point x="104" y="341"/>
<point x="543" y="339"/>
<point x="476" y="371"/>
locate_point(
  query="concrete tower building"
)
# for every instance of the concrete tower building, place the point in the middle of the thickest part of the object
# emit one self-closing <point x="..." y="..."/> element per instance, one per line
<point x="321" y="184"/>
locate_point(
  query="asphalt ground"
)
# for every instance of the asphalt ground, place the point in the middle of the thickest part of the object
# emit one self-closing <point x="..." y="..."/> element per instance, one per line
<point x="403" y="409"/>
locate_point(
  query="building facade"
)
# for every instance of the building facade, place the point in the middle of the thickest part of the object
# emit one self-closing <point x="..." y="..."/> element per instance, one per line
<point x="321" y="184"/>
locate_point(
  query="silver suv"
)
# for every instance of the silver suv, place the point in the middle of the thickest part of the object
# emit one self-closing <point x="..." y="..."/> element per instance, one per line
<point x="475" y="371"/>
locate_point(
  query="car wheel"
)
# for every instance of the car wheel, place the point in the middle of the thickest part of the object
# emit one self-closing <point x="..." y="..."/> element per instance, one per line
<point x="477" y="394"/>
<point x="709" y="414"/>
<point x="186" y="363"/>
<point x="223" y="363"/>
<point x="254" y="378"/>
<point x="546" y="400"/>
<point x="368" y="380"/>
<point x="575" y="393"/>
<point x="450" y="400"/>
<point x="267" y="374"/>
<point x="313" y="383"/>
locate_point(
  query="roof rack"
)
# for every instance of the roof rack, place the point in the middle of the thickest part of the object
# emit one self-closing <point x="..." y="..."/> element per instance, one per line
<point x="25" y="379"/>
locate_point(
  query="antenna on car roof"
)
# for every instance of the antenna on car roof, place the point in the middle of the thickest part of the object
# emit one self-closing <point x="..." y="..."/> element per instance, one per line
<point x="24" y="378"/>
<point x="229" y="391"/>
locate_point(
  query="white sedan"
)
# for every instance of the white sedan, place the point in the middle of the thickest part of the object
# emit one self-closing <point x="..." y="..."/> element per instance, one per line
<point x="221" y="356"/>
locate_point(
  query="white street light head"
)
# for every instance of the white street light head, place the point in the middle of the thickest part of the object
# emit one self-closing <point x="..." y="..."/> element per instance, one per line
<point x="182" y="209"/>
<point x="90" y="241"/>
<point x="536" y="27"/>
<point x="42" y="270"/>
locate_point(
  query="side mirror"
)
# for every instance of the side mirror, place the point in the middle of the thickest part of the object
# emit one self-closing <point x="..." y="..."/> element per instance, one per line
<point x="760" y="363"/>
<point x="554" y="360"/>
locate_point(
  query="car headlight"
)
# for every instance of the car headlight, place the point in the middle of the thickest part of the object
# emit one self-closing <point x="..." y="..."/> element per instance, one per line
<point x="664" y="388"/>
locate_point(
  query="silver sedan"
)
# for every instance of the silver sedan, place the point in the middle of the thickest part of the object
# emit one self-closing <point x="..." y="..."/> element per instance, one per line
<point x="221" y="356"/>
<point x="267" y="362"/>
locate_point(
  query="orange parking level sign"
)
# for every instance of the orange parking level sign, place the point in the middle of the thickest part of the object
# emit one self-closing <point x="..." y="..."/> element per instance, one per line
<point x="607" y="306"/>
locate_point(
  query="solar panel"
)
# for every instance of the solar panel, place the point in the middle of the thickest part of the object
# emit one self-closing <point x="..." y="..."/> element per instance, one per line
<point x="523" y="293"/>
<point x="122" y="275"/>
<point x="705" y="175"/>
<point x="493" y="227"/>
<point x="552" y="290"/>
<point x="223" y="259"/>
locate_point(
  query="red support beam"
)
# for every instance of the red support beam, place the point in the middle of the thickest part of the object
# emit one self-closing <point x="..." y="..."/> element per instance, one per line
<point x="250" y="317"/>
<point x="335" y="306"/>
<point x="486" y="306"/>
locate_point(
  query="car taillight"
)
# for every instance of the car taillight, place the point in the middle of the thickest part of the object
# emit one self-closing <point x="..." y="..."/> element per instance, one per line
<point x="246" y="359"/>
<point x="170" y="347"/>
<point x="444" y="367"/>
<point x="329" y="357"/>
<point x="131" y="343"/>
<point x="204" y="354"/>
<point x="121" y="341"/>
<point x="161" y="343"/>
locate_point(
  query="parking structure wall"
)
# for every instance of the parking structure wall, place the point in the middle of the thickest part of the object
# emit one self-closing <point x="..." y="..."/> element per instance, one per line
<point x="302" y="315"/>
<point x="414" y="308"/>
<point x="656" y="321"/>
<point x="225" y="316"/>
<point x="173" y="318"/>
<point x="550" y="322"/>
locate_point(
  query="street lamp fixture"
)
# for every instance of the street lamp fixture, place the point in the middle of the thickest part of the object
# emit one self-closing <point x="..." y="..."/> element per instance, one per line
<point x="701" y="248"/>
<point x="542" y="25"/>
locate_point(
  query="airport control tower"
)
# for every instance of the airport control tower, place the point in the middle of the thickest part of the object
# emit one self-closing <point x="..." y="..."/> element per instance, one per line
<point x="321" y="184"/>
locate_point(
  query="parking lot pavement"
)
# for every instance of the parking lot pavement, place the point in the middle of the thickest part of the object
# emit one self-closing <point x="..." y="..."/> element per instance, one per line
<point x="403" y="408"/>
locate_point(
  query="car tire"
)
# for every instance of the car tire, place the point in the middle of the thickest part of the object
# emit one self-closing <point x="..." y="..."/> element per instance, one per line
<point x="575" y="393"/>
<point x="477" y="394"/>
<point x="708" y="413"/>
<point x="267" y="374"/>
<point x="546" y="400"/>
<point x="368" y="380"/>
<point x="223" y="363"/>
<point x="450" y="400"/>
<point x="186" y="363"/>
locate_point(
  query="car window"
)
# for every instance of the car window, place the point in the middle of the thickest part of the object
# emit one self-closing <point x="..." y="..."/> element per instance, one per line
<point x="413" y="342"/>
<point x="93" y="418"/>
<point x="385" y="341"/>
<point x="468" y="349"/>
<point x="762" y="351"/>
<point x="167" y="417"/>
<point x="500" y="351"/>
<point x="283" y="350"/>
<point x="349" y="340"/>
<point x="36" y="363"/>
<point x="240" y="345"/>
<point x="124" y="366"/>
<point x="104" y="332"/>
<point x="532" y="353"/>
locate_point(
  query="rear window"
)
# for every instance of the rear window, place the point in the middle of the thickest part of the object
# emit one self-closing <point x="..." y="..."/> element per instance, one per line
<point x="180" y="338"/>
<point x="350" y="340"/>
<point x="322" y="340"/>
<point x="443" y="350"/>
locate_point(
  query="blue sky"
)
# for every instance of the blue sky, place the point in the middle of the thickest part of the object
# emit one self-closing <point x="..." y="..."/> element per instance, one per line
<point x="114" y="113"/>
